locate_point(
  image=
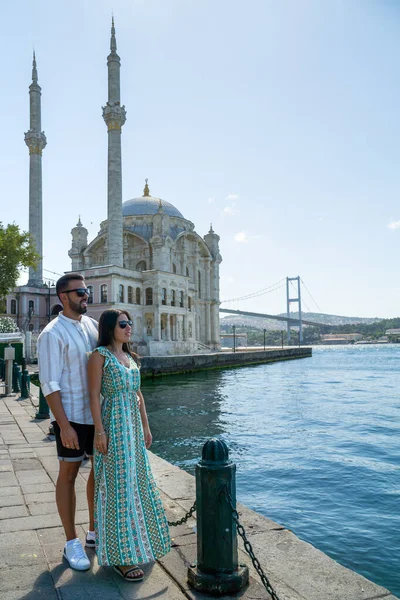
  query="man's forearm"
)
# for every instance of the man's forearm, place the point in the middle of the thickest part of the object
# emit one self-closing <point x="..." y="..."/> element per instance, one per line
<point x="56" y="407"/>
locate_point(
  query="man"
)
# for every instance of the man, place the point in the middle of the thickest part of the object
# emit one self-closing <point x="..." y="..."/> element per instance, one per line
<point x="63" y="348"/>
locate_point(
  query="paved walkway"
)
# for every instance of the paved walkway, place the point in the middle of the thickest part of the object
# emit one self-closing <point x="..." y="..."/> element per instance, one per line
<point x="31" y="538"/>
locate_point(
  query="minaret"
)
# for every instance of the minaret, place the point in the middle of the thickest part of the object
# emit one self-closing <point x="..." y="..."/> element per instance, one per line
<point x="36" y="141"/>
<point x="115" y="116"/>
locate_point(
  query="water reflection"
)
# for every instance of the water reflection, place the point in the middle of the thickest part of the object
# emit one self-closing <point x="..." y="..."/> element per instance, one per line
<point x="184" y="412"/>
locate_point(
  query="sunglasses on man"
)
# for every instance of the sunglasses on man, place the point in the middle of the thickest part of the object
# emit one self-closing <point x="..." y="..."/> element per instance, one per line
<point x="123" y="324"/>
<point x="79" y="292"/>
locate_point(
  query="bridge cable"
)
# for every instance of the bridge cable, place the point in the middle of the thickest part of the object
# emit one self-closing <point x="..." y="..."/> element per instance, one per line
<point x="272" y="288"/>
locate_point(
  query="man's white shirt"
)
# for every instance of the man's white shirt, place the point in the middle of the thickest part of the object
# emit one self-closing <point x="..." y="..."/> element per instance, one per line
<point x="63" y="351"/>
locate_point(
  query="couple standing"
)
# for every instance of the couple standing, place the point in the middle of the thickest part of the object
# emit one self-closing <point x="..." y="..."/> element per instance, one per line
<point x="81" y="361"/>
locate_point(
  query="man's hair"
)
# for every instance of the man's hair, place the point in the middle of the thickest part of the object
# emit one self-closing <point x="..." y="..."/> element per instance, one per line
<point x="62" y="283"/>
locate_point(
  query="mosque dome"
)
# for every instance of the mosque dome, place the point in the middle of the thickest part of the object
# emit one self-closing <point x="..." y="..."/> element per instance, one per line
<point x="148" y="205"/>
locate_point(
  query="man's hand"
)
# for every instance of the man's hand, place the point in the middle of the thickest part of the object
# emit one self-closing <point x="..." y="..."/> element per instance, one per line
<point x="69" y="438"/>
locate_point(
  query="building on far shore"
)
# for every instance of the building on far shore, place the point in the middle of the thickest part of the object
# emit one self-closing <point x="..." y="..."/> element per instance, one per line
<point x="340" y="338"/>
<point x="147" y="257"/>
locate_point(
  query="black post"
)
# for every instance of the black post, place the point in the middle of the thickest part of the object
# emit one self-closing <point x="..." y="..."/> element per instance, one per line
<point x="43" y="408"/>
<point x="234" y="337"/>
<point x="282" y="337"/>
<point x="264" y="337"/>
<point x="217" y="571"/>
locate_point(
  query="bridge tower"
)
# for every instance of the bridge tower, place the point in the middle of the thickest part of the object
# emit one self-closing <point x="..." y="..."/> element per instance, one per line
<point x="289" y="300"/>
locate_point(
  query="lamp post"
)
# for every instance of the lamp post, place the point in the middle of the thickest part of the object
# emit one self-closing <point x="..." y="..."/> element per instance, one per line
<point x="234" y="337"/>
<point x="49" y="285"/>
<point x="264" y="337"/>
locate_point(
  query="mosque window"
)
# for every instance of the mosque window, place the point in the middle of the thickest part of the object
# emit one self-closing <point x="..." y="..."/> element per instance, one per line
<point x="173" y="294"/>
<point x="173" y="267"/>
<point x="90" y="299"/>
<point x="130" y="294"/>
<point x="199" y="283"/>
<point x="31" y="307"/>
<point x="121" y="293"/>
<point x="189" y="303"/>
<point x="149" y="296"/>
<point x="138" y="300"/>
<point x="141" y="266"/>
<point x="164" y="296"/>
<point x="103" y="293"/>
<point x="181" y="303"/>
<point x="13" y="307"/>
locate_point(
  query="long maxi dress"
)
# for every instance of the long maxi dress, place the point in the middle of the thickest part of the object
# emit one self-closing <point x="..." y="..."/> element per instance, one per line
<point x="130" y="523"/>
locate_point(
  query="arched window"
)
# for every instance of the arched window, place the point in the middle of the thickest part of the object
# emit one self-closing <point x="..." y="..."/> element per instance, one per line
<point x="173" y="267"/>
<point x="31" y="307"/>
<point x="130" y="294"/>
<point x="189" y="303"/>
<point x="121" y="293"/>
<point x="90" y="299"/>
<point x="56" y="309"/>
<point x="138" y="300"/>
<point x="103" y="293"/>
<point x="199" y="283"/>
<point x="30" y="327"/>
<point x="141" y="266"/>
<point x="164" y="296"/>
<point x="187" y="272"/>
<point x="181" y="304"/>
<point x="13" y="309"/>
<point x="149" y="296"/>
<point x="173" y="297"/>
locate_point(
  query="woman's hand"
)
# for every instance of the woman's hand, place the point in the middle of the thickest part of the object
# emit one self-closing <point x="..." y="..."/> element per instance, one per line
<point x="148" y="438"/>
<point x="101" y="442"/>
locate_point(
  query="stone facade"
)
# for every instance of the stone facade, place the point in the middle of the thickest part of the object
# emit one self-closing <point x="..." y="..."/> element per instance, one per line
<point x="146" y="258"/>
<point x="169" y="281"/>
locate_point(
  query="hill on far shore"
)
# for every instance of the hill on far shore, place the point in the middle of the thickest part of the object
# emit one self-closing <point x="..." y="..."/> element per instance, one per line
<point x="271" y="325"/>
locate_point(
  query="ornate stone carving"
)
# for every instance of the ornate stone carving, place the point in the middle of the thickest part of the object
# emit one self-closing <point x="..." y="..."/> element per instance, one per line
<point x="35" y="141"/>
<point x="114" y="116"/>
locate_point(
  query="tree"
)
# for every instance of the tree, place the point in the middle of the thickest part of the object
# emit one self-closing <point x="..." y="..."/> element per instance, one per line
<point x="17" y="250"/>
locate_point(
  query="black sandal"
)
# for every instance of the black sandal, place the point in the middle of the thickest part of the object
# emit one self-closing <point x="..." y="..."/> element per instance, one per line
<point x="125" y="574"/>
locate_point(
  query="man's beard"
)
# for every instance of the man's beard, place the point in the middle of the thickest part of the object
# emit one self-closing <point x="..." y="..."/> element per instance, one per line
<point x="77" y="307"/>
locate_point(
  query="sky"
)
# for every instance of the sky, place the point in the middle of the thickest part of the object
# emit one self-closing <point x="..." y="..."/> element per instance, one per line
<point x="277" y="122"/>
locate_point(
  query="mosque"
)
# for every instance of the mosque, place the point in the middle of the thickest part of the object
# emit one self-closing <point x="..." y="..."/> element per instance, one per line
<point x="146" y="258"/>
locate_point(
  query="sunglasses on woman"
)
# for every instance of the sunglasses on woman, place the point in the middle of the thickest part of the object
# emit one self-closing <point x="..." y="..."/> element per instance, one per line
<point x="123" y="324"/>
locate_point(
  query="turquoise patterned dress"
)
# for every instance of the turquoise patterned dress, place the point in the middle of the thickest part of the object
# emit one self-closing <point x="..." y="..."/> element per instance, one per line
<point x="130" y="523"/>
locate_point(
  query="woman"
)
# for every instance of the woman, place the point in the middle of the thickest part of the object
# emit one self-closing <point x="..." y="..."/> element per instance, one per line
<point x="130" y="523"/>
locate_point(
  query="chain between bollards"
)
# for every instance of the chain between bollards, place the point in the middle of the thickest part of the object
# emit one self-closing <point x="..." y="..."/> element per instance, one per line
<point x="184" y="519"/>
<point x="249" y="549"/>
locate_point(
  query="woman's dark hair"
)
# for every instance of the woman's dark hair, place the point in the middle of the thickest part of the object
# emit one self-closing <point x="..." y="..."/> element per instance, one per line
<point x="107" y="324"/>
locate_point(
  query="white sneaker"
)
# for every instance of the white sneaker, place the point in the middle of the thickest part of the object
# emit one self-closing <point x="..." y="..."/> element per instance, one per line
<point x="76" y="556"/>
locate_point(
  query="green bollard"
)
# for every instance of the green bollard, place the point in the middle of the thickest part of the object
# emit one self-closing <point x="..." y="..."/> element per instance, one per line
<point x="25" y="384"/>
<point x="16" y="382"/>
<point x="43" y="409"/>
<point x="217" y="571"/>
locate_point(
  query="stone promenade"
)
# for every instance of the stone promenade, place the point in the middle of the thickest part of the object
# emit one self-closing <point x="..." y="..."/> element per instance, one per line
<point x="32" y="540"/>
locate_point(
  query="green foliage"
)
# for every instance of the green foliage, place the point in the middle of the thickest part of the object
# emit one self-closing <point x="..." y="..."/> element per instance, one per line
<point x="16" y="250"/>
<point x="372" y="331"/>
<point x="7" y="325"/>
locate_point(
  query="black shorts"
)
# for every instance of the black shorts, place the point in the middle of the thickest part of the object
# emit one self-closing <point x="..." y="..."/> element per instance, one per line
<point x="85" y="439"/>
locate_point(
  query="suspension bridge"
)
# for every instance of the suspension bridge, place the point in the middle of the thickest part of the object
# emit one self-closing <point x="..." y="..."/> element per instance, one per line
<point x="293" y="295"/>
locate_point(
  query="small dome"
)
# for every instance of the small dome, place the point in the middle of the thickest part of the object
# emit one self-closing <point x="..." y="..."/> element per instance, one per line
<point x="147" y="205"/>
